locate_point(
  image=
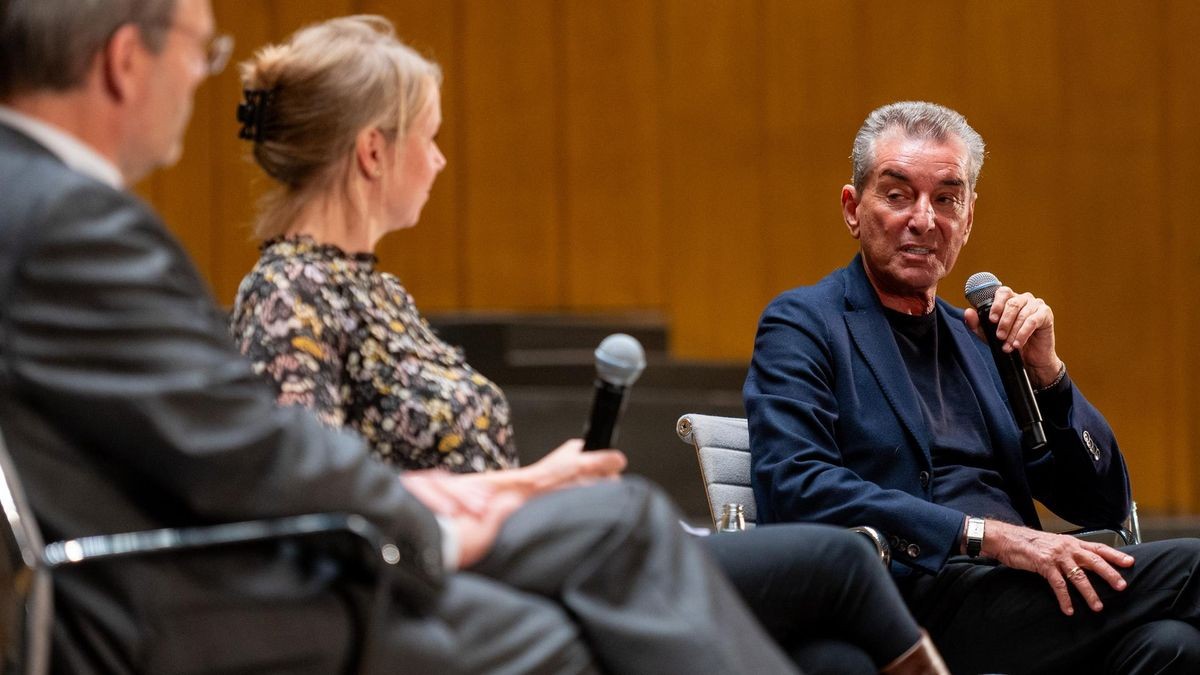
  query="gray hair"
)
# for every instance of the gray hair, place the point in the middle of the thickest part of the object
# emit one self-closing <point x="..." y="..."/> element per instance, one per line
<point x="49" y="44"/>
<point x="917" y="119"/>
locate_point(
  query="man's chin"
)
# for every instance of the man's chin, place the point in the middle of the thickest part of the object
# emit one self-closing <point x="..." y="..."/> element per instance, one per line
<point x="911" y="282"/>
<point x="134" y="173"/>
<point x="172" y="156"/>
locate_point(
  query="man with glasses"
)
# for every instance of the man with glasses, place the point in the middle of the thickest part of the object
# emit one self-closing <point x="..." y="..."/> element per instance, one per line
<point x="125" y="406"/>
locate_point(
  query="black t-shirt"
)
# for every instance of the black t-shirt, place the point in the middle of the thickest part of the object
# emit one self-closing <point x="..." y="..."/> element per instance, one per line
<point x="965" y="477"/>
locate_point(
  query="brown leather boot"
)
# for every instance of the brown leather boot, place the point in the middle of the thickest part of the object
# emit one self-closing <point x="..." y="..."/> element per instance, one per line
<point x="920" y="659"/>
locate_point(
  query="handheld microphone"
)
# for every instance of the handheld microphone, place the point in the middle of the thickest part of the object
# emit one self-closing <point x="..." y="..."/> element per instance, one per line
<point x="620" y="360"/>
<point x="980" y="291"/>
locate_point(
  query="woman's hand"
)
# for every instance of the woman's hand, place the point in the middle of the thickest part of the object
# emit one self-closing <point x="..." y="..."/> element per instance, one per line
<point x="479" y="503"/>
<point x="568" y="465"/>
<point x="449" y="494"/>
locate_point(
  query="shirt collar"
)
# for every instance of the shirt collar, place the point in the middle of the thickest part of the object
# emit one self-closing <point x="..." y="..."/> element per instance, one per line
<point x="73" y="152"/>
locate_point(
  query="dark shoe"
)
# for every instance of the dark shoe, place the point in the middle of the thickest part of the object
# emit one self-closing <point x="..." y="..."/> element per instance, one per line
<point x="920" y="659"/>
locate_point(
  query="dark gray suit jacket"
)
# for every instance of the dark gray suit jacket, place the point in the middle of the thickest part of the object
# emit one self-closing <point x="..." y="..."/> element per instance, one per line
<point x="126" y="407"/>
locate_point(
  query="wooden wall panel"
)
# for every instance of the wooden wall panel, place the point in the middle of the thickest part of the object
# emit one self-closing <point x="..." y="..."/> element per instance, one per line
<point x="1017" y="105"/>
<point x="237" y="181"/>
<point x="612" y="234"/>
<point x="808" y="133"/>
<point x="511" y="135"/>
<point x="686" y="157"/>
<point x="712" y="140"/>
<point x="290" y="15"/>
<point x="1114" y="245"/>
<point x="1181" y="273"/>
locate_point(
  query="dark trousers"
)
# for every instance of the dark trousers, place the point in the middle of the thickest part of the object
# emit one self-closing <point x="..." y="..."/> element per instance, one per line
<point x="821" y="592"/>
<point x="996" y="619"/>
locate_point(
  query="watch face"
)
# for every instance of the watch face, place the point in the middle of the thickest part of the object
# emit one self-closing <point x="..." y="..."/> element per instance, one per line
<point x="974" y="536"/>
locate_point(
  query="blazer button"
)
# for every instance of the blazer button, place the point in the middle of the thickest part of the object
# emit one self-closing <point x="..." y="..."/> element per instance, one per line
<point x="913" y="551"/>
<point x="924" y="476"/>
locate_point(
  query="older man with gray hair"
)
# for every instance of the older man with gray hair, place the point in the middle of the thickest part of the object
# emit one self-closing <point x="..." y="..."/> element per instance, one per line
<point x="873" y="402"/>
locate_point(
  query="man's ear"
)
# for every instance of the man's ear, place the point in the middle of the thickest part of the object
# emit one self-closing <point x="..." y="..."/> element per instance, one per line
<point x="123" y="62"/>
<point x="850" y="209"/>
<point x="970" y="217"/>
<point x="370" y="147"/>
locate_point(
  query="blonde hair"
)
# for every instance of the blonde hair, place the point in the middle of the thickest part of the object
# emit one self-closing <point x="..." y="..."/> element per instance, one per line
<point x="321" y="87"/>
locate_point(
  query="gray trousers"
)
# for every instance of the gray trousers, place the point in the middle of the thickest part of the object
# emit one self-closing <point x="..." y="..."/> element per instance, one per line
<point x="593" y="579"/>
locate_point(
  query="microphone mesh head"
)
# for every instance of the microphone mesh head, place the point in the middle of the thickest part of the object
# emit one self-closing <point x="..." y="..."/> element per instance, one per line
<point x="620" y="359"/>
<point x="981" y="288"/>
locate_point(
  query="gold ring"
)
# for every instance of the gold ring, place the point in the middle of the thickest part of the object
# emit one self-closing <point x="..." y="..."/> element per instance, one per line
<point x="1075" y="572"/>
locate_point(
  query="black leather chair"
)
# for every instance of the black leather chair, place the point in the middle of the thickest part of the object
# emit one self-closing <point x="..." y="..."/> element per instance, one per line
<point x="28" y="565"/>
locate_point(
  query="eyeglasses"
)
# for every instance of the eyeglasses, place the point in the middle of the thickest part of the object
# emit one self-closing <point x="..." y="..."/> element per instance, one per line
<point x="216" y="51"/>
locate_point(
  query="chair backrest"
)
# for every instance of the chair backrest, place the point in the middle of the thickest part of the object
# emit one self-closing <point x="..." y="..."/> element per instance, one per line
<point x="26" y="603"/>
<point x="27" y="564"/>
<point x="723" y="450"/>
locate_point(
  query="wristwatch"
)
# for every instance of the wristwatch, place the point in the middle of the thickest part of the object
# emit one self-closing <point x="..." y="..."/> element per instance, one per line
<point x="974" y="536"/>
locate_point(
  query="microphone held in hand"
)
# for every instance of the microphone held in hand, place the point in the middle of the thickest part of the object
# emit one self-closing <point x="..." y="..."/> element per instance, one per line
<point x="980" y="290"/>
<point x="620" y="360"/>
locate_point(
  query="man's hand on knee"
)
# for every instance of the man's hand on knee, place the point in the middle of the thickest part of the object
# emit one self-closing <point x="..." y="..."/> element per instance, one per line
<point x="1061" y="559"/>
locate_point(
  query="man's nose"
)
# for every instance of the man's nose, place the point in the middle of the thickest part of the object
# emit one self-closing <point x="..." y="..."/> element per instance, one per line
<point x="922" y="217"/>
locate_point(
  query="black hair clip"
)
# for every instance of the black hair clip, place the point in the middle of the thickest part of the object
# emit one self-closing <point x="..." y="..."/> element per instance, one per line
<point x="253" y="112"/>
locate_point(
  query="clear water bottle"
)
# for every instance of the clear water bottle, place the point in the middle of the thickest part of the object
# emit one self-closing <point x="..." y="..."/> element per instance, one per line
<point x="733" y="518"/>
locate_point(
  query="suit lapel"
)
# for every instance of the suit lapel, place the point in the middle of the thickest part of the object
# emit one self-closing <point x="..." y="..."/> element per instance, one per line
<point x="873" y="338"/>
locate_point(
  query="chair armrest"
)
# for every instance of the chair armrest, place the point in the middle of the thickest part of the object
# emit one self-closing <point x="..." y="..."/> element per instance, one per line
<point x="374" y="555"/>
<point x="1125" y="534"/>
<point x="882" y="549"/>
<point x="125" y="544"/>
<point x="1113" y="537"/>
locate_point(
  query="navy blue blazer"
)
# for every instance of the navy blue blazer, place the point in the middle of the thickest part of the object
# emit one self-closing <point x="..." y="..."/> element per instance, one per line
<point x="837" y="435"/>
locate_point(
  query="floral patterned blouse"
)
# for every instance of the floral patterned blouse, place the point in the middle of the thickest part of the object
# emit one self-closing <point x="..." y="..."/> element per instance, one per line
<point x="339" y="337"/>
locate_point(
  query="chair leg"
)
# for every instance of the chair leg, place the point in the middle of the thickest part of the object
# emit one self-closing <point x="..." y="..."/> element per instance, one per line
<point x="920" y="659"/>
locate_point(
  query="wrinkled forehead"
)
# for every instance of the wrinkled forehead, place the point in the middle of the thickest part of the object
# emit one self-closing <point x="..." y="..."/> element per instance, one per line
<point x="898" y="151"/>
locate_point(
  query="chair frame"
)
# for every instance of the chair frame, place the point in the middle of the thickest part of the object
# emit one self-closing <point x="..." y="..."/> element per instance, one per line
<point x="722" y="446"/>
<point x="26" y="625"/>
